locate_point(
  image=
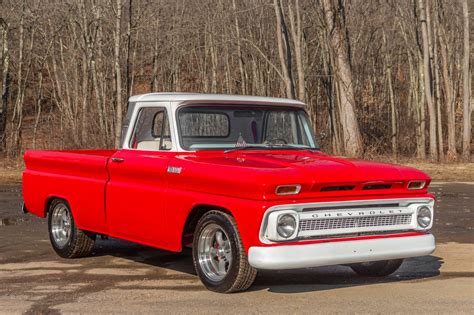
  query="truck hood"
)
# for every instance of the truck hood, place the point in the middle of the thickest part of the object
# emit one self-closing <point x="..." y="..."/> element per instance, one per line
<point x="256" y="174"/>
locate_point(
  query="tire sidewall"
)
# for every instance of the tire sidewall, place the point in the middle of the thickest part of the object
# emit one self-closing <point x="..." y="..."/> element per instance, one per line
<point x="221" y="220"/>
<point x="61" y="251"/>
<point x="382" y="268"/>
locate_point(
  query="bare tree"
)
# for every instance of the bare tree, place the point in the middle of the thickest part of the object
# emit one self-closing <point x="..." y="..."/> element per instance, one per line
<point x="5" y="85"/>
<point x="118" y="73"/>
<point x="128" y="62"/>
<point x="243" y="74"/>
<point x="393" y="112"/>
<point x="467" y="110"/>
<point x="284" y="49"/>
<point x="360" y="67"/>
<point x="298" y="40"/>
<point x="343" y="72"/>
<point x="449" y="98"/>
<point x="427" y="79"/>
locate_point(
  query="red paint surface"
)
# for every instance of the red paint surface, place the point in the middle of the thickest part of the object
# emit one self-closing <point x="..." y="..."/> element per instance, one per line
<point x="138" y="200"/>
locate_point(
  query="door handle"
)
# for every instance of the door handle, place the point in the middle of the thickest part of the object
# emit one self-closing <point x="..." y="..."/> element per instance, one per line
<point x="117" y="159"/>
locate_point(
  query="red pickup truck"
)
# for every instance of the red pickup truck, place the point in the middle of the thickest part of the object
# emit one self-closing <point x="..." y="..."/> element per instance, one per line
<point x="242" y="181"/>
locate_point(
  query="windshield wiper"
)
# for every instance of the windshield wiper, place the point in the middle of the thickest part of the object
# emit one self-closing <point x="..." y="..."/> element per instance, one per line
<point x="270" y="146"/>
<point x="287" y="146"/>
<point x="246" y="147"/>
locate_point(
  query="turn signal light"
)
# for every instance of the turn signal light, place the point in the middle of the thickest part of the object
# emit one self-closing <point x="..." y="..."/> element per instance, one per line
<point x="416" y="184"/>
<point x="288" y="189"/>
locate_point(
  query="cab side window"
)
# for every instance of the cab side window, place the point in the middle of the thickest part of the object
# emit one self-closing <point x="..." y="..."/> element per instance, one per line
<point x="152" y="130"/>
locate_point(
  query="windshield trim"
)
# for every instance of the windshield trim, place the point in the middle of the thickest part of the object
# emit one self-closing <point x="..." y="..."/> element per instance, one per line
<point x="306" y="126"/>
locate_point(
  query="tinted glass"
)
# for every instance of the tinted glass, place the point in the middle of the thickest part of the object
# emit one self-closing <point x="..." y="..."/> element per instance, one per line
<point x="152" y="130"/>
<point x="227" y="126"/>
<point x="204" y="124"/>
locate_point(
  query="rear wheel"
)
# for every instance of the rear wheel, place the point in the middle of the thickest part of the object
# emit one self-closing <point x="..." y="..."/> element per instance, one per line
<point x="219" y="256"/>
<point x="67" y="240"/>
<point x="381" y="268"/>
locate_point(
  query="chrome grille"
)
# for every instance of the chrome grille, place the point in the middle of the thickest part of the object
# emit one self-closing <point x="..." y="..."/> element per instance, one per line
<point x="356" y="222"/>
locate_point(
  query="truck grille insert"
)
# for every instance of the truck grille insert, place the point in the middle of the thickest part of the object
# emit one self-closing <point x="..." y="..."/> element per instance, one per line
<point x="357" y="222"/>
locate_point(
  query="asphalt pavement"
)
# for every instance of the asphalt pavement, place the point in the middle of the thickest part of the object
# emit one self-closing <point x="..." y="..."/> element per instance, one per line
<point x="122" y="277"/>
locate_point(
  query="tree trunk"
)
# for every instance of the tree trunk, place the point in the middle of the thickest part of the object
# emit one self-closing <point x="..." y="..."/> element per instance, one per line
<point x="18" y="108"/>
<point x="466" y="88"/>
<point x="5" y="86"/>
<point x="118" y="77"/>
<point x="98" y="82"/>
<point x="437" y="94"/>
<point x="284" y="49"/>
<point x="421" y="108"/>
<point x="449" y="100"/>
<point x="297" y="35"/>
<point x="343" y="73"/>
<point x="428" y="81"/>
<point x="129" y="47"/>
<point x="154" y="77"/>
<point x="39" y="101"/>
<point x="243" y="75"/>
<point x="393" y="111"/>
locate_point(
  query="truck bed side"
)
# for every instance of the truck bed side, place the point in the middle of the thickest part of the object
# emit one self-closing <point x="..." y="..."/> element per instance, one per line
<point x="76" y="176"/>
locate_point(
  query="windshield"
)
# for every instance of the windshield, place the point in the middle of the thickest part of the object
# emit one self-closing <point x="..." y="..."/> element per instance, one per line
<point x="234" y="127"/>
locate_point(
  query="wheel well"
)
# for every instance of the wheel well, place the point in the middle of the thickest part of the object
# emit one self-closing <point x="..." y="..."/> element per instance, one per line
<point x="49" y="201"/>
<point x="193" y="218"/>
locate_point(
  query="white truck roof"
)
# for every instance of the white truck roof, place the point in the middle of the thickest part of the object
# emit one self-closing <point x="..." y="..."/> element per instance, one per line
<point x="187" y="98"/>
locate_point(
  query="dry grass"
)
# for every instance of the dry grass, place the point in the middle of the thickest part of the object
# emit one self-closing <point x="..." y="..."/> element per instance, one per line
<point x="449" y="172"/>
<point x="10" y="171"/>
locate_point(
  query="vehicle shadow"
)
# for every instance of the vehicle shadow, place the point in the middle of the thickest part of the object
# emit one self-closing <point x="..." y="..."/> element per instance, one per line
<point x="334" y="277"/>
<point x="281" y="281"/>
<point x="181" y="262"/>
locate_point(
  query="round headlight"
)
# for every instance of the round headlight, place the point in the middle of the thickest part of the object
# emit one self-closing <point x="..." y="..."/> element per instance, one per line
<point x="286" y="226"/>
<point x="424" y="216"/>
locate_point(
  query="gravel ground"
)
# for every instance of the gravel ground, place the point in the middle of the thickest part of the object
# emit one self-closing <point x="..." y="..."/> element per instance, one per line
<point x="122" y="277"/>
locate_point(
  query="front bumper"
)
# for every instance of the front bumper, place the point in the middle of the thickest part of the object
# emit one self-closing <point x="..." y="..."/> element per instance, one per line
<point x="341" y="252"/>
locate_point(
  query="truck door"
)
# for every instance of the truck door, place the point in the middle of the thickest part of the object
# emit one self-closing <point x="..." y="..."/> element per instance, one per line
<point x="136" y="191"/>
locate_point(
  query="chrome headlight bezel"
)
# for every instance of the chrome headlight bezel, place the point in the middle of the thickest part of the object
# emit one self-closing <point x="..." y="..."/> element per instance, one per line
<point x="286" y="225"/>
<point x="274" y="218"/>
<point x="422" y="214"/>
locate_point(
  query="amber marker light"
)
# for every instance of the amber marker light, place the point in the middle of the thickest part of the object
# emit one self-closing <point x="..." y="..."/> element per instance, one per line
<point x="288" y="190"/>
<point x="416" y="184"/>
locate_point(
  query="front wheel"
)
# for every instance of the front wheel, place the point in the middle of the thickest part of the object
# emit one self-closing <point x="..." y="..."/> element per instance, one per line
<point x="67" y="240"/>
<point x="381" y="268"/>
<point x="219" y="256"/>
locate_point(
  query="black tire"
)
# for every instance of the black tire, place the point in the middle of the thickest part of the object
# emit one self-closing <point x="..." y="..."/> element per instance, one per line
<point x="79" y="243"/>
<point x="381" y="268"/>
<point x="240" y="274"/>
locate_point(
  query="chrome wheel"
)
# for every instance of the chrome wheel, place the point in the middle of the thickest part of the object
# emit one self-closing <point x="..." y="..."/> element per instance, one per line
<point x="61" y="225"/>
<point x="214" y="252"/>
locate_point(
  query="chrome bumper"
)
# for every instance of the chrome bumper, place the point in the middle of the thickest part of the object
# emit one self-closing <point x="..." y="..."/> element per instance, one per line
<point x="341" y="252"/>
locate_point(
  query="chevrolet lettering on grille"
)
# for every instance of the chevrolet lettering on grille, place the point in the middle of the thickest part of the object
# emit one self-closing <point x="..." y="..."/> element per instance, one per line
<point x="340" y="221"/>
<point x="355" y="213"/>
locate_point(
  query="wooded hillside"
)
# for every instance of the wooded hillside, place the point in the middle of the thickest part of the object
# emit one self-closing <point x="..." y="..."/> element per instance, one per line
<point x="380" y="77"/>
